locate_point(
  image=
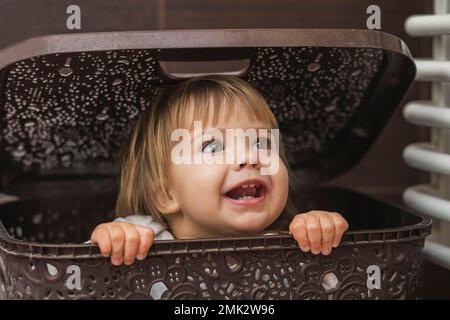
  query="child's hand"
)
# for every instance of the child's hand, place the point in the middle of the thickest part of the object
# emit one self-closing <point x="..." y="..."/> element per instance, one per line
<point x="318" y="231"/>
<point x="123" y="241"/>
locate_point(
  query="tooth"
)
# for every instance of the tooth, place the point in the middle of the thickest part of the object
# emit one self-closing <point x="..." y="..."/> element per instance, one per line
<point x="252" y="185"/>
<point x="245" y="186"/>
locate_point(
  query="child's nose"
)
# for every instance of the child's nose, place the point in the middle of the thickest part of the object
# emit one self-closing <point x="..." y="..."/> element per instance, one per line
<point x="250" y="160"/>
<point x="243" y="165"/>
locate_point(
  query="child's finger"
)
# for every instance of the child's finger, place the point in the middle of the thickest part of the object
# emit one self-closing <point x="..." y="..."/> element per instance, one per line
<point x="100" y="236"/>
<point x="147" y="235"/>
<point x="117" y="238"/>
<point x="340" y="225"/>
<point x="132" y="240"/>
<point x="327" y="225"/>
<point x="314" y="233"/>
<point x="298" y="231"/>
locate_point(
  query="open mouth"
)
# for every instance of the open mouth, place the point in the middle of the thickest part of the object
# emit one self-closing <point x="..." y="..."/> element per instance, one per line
<point x="247" y="193"/>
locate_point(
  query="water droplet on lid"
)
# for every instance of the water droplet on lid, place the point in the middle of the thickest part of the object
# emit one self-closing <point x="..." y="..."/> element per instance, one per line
<point x="19" y="152"/>
<point x="117" y="81"/>
<point x="102" y="116"/>
<point x="124" y="61"/>
<point x="330" y="107"/>
<point x="360" y="132"/>
<point x="313" y="67"/>
<point x="65" y="159"/>
<point x="49" y="149"/>
<point x="355" y="73"/>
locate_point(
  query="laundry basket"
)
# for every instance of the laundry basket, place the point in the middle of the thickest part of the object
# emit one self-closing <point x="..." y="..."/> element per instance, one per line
<point x="67" y="104"/>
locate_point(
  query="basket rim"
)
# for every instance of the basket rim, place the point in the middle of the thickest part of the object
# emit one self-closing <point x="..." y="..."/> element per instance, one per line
<point x="200" y="38"/>
<point x="283" y="240"/>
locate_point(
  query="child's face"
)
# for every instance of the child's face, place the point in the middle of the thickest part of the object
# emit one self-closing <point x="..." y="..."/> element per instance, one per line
<point x="221" y="199"/>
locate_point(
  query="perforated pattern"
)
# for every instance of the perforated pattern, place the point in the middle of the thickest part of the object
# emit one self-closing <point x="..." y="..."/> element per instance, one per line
<point x="263" y="274"/>
<point x="62" y="110"/>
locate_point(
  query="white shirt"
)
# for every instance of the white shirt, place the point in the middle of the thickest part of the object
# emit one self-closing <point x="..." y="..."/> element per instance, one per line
<point x="161" y="230"/>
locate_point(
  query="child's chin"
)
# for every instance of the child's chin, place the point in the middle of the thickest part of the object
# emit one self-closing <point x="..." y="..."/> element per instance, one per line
<point x="249" y="230"/>
<point x="249" y="223"/>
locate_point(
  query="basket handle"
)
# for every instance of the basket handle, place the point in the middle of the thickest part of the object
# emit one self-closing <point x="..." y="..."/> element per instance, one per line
<point x="180" y="70"/>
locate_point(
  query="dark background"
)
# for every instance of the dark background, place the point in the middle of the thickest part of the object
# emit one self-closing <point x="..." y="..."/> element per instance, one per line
<point x="382" y="172"/>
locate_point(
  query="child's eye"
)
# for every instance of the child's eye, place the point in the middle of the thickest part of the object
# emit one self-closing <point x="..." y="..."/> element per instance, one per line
<point x="262" y="143"/>
<point x="212" y="146"/>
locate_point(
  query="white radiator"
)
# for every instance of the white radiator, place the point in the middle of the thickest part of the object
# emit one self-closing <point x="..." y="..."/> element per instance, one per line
<point x="433" y="199"/>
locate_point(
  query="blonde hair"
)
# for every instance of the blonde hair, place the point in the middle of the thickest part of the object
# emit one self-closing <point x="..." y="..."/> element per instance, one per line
<point x="145" y="163"/>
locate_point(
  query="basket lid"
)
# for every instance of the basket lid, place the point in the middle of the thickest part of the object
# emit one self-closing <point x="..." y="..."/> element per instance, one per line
<point x="67" y="101"/>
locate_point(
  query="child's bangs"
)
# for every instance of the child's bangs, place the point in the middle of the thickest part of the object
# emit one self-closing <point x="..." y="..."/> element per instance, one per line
<point x="216" y="104"/>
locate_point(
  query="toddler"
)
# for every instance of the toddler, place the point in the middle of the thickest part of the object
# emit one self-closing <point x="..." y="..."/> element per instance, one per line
<point x="161" y="197"/>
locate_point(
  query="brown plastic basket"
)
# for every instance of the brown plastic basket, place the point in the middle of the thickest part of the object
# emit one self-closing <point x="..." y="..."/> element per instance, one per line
<point x="67" y="103"/>
<point x="381" y="237"/>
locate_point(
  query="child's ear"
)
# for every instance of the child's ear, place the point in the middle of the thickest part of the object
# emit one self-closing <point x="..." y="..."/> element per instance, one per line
<point x="168" y="204"/>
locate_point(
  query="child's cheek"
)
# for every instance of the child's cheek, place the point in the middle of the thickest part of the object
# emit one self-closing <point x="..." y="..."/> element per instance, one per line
<point x="205" y="182"/>
<point x="280" y="187"/>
